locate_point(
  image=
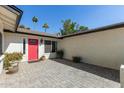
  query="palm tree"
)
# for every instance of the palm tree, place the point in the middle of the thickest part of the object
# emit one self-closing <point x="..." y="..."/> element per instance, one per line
<point x="34" y="20"/>
<point x="45" y="26"/>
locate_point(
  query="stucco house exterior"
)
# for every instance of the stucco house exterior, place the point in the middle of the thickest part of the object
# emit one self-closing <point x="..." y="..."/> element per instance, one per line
<point x="32" y="44"/>
<point x="9" y="19"/>
<point x="101" y="46"/>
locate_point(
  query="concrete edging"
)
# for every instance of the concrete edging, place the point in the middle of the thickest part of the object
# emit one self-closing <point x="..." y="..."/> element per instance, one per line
<point x="122" y="76"/>
<point x="1" y="63"/>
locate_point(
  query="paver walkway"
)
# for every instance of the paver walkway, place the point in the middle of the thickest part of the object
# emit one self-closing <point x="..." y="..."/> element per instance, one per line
<point x="60" y="73"/>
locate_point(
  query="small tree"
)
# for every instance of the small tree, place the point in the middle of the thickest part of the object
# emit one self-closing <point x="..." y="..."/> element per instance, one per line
<point x="45" y="26"/>
<point x="69" y="27"/>
<point x="22" y="26"/>
<point x="82" y="28"/>
<point x="28" y="28"/>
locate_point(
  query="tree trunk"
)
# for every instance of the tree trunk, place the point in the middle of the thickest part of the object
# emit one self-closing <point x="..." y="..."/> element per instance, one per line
<point x="45" y="29"/>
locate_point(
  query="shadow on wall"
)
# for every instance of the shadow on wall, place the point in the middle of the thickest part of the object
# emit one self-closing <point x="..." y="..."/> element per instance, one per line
<point x="107" y="73"/>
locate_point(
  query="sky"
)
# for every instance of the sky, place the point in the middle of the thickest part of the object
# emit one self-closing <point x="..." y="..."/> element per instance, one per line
<point x="87" y="15"/>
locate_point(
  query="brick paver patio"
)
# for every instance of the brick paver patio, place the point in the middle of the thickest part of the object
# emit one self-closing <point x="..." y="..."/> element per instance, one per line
<point x="60" y="73"/>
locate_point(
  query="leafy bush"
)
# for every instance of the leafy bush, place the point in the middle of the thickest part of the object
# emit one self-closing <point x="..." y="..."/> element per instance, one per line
<point x="11" y="57"/>
<point x="60" y="54"/>
<point x="28" y="28"/>
<point x="76" y="59"/>
<point x="21" y="26"/>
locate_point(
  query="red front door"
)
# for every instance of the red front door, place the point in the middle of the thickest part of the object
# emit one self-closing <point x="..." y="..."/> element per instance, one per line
<point x="32" y="49"/>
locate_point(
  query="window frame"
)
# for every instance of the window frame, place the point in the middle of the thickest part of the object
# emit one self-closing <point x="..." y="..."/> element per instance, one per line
<point x="47" y="44"/>
<point x="24" y="46"/>
<point x="55" y="47"/>
<point x="51" y="46"/>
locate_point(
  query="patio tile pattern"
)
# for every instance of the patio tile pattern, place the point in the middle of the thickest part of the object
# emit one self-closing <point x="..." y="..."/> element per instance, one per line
<point x="60" y="74"/>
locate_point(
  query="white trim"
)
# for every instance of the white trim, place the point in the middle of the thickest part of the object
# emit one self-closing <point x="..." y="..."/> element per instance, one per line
<point x="1" y="63"/>
<point x="3" y="43"/>
<point x="1" y="57"/>
<point x="39" y="46"/>
<point x="26" y="49"/>
<point x="1" y="31"/>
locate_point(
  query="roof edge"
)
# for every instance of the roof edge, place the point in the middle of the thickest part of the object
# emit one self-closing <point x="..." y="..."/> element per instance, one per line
<point x="18" y="17"/>
<point x="6" y="30"/>
<point x="99" y="29"/>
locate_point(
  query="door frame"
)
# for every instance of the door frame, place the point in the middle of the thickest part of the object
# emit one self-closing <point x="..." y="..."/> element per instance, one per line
<point x="37" y="49"/>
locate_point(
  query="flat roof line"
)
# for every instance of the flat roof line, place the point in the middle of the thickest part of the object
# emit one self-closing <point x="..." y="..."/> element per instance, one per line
<point x="99" y="29"/>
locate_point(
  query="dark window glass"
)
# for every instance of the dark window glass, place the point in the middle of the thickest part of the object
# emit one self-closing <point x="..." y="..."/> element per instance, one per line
<point x="47" y="42"/>
<point x="24" y="42"/>
<point x="32" y="41"/>
<point x="47" y="46"/>
<point x="54" y="46"/>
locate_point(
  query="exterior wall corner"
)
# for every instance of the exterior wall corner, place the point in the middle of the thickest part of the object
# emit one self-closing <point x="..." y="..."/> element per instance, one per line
<point x="122" y="76"/>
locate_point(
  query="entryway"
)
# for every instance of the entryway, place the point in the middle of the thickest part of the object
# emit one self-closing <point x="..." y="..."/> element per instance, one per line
<point x="32" y="49"/>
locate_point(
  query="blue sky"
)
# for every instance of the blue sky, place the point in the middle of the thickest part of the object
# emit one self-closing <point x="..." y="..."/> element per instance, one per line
<point x="91" y="16"/>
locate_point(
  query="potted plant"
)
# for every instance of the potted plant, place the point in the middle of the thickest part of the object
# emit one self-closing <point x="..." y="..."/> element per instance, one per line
<point x="60" y="54"/>
<point x="43" y="58"/>
<point x="11" y="62"/>
<point x="76" y="59"/>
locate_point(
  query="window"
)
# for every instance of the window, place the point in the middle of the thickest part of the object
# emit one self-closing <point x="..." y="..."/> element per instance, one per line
<point x="50" y="46"/>
<point x="47" y="46"/>
<point x="24" y="43"/>
<point x="54" y="46"/>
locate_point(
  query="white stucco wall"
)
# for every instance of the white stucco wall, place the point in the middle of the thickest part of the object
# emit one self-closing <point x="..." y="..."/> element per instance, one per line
<point x="105" y="48"/>
<point x="1" y="57"/>
<point x="14" y="43"/>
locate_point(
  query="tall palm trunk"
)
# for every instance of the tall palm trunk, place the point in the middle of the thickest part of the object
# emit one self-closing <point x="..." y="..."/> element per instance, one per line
<point x="35" y="24"/>
<point x="45" y="29"/>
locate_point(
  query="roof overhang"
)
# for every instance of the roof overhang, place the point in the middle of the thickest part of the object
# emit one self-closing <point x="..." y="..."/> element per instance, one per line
<point x="99" y="29"/>
<point x="104" y="28"/>
<point x="10" y="16"/>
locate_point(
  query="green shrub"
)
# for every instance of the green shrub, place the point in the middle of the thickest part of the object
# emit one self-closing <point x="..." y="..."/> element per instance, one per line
<point x="11" y="57"/>
<point x="60" y="54"/>
<point x="76" y="59"/>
